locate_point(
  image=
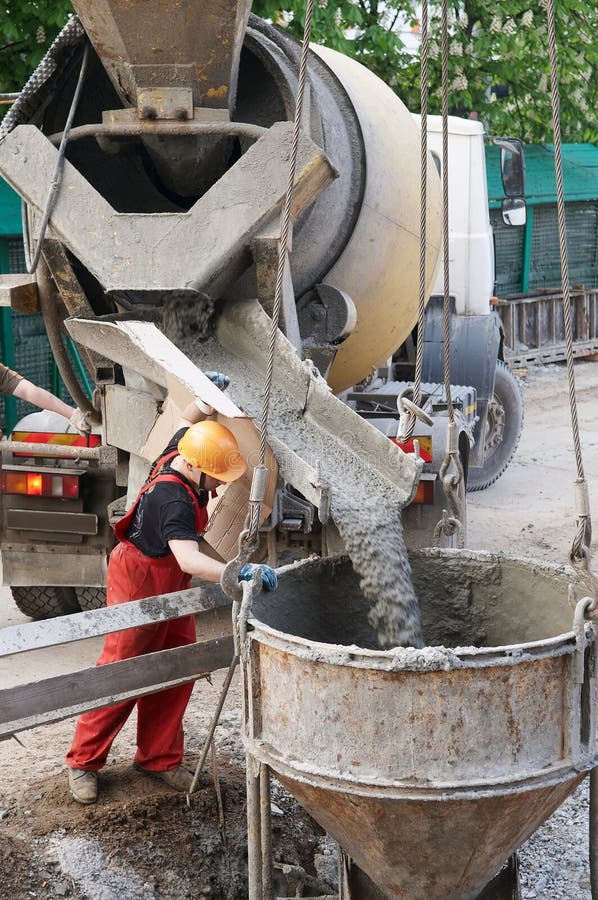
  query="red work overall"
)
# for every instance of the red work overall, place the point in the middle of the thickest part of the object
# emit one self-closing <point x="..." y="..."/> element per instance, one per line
<point x="132" y="576"/>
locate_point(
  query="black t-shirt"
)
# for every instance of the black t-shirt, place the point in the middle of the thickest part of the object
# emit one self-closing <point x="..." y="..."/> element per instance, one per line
<point x="165" y="512"/>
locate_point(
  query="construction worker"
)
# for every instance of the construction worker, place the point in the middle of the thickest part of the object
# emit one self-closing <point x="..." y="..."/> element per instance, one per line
<point x="13" y="383"/>
<point x="158" y="553"/>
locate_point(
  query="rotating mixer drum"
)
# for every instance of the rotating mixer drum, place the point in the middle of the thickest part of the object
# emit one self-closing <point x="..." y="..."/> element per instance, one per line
<point x="429" y="767"/>
<point x="171" y="133"/>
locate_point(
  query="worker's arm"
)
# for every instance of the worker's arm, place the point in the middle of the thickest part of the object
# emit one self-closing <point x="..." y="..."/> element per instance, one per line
<point x="197" y="410"/>
<point x="193" y="562"/>
<point x="25" y="390"/>
<point x="193" y="414"/>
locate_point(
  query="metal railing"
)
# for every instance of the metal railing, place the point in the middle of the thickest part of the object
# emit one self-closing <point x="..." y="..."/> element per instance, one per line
<point x="52" y="699"/>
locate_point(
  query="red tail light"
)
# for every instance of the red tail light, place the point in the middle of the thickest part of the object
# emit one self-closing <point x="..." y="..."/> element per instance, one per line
<point x="37" y="484"/>
<point x="425" y="491"/>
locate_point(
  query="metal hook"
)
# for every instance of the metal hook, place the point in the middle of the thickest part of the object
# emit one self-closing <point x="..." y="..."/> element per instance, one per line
<point x="408" y="413"/>
<point x="448" y="525"/>
<point x="229" y="580"/>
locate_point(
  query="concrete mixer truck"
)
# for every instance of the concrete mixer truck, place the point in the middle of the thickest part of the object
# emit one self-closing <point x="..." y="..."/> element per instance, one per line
<point x="167" y="141"/>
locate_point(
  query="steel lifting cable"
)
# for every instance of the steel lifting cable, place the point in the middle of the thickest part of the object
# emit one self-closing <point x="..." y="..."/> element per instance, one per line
<point x="419" y="356"/>
<point x="285" y="228"/>
<point x="581" y="543"/>
<point x="248" y="539"/>
<point x="448" y="524"/>
<point x="580" y="549"/>
<point x="250" y="535"/>
<point x="408" y="417"/>
<point x="445" y="214"/>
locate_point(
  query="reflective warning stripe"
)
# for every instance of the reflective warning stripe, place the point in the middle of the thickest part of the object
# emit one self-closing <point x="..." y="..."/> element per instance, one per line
<point x="66" y="440"/>
<point x="425" y="447"/>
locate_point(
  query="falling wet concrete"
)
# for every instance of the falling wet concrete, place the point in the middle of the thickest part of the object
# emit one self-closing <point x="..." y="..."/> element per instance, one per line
<point x="365" y="506"/>
<point x="369" y="521"/>
<point x="182" y="315"/>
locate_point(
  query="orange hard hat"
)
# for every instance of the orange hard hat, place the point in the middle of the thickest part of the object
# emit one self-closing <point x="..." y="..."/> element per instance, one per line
<point x="213" y="448"/>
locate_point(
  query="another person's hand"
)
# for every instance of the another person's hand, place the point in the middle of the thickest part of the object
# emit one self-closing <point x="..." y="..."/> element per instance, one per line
<point x="269" y="579"/>
<point x="79" y="421"/>
<point x="221" y="381"/>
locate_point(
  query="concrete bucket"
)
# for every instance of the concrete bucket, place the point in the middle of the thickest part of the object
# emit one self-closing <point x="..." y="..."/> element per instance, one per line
<point x="429" y="767"/>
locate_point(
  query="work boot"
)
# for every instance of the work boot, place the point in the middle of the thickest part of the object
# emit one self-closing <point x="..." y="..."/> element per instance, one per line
<point x="83" y="785"/>
<point x="179" y="779"/>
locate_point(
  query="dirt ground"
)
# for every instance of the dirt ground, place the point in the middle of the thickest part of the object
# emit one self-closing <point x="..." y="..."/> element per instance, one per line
<point x="142" y="841"/>
<point x="530" y="510"/>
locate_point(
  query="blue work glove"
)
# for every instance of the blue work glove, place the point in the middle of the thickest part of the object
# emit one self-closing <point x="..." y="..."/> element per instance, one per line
<point x="219" y="379"/>
<point x="269" y="579"/>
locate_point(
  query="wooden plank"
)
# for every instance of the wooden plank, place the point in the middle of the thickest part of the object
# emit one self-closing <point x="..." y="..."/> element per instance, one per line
<point x="77" y="627"/>
<point x="64" y="696"/>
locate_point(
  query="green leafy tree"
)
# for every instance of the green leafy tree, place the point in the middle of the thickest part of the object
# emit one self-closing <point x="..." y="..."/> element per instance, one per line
<point x="498" y="57"/>
<point x="27" y="28"/>
<point x="498" y="54"/>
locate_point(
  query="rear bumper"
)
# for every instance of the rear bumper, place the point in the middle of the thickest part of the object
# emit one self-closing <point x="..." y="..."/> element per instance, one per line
<point x="27" y="564"/>
<point x="52" y="522"/>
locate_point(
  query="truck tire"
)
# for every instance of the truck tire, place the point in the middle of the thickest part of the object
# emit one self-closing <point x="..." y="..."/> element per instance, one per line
<point x="91" y="598"/>
<point x="45" y="602"/>
<point x="503" y="429"/>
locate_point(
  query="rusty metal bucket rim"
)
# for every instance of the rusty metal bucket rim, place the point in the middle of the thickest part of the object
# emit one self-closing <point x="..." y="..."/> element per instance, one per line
<point x="490" y="556"/>
<point x="387" y="789"/>
<point x="410" y="659"/>
<point x="431" y="658"/>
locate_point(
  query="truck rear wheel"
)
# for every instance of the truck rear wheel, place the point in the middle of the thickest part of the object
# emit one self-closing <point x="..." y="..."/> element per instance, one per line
<point x="43" y="602"/>
<point x="91" y="597"/>
<point x="503" y="429"/>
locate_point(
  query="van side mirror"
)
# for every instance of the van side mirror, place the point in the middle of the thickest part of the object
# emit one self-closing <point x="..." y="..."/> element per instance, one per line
<point x="514" y="211"/>
<point x="512" y="166"/>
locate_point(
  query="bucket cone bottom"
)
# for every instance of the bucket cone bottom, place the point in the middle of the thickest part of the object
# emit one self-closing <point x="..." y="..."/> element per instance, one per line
<point x="430" y="850"/>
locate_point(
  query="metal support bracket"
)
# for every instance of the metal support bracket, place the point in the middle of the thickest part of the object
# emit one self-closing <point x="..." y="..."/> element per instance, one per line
<point x="579" y="630"/>
<point x="255" y="184"/>
<point x="324" y="490"/>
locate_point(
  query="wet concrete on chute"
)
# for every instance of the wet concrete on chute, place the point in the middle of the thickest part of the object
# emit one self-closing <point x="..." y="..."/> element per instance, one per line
<point x="366" y="508"/>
